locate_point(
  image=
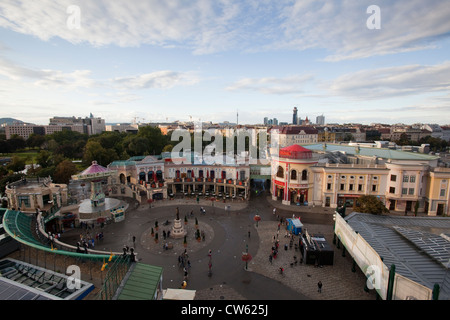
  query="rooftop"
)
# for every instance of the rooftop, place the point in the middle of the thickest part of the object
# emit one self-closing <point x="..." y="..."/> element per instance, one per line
<point x="371" y="152"/>
<point x="419" y="247"/>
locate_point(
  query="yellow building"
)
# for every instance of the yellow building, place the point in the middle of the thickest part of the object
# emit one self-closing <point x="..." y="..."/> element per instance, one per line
<point x="437" y="198"/>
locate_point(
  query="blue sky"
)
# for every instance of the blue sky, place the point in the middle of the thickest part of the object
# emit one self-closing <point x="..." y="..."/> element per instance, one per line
<point x="207" y="60"/>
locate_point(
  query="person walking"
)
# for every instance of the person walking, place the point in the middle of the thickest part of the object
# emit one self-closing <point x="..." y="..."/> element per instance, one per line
<point x="319" y="286"/>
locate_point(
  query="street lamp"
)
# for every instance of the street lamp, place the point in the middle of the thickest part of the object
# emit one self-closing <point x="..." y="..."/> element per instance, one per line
<point x="257" y="218"/>
<point x="246" y="257"/>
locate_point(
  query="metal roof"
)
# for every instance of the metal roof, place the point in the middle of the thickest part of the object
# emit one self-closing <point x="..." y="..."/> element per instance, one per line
<point x="418" y="246"/>
<point x="371" y="152"/>
<point x="23" y="281"/>
<point x="142" y="282"/>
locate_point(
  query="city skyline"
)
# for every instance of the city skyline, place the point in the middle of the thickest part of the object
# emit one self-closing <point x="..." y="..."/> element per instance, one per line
<point x="154" y="61"/>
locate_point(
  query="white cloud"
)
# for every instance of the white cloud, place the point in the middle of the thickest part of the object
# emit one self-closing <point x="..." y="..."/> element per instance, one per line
<point x="164" y="79"/>
<point x="396" y="81"/>
<point x="340" y="27"/>
<point x="45" y="77"/>
<point x="271" y="85"/>
<point x="215" y="26"/>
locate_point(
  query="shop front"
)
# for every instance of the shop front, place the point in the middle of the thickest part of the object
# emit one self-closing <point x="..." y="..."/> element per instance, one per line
<point x="299" y="194"/>
<point x="350" y="199"/>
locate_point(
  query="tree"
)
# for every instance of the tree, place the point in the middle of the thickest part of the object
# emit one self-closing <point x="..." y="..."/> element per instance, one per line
<point x="64" y="171"/>
<point x="35" y="140"/>
<point x="44" y="159"/>
<point x="94" y="151"/>
<point x="156" y="140"/>
<point x="167" y="148"/>
<point x="138" y="146"/>
<point x="17" y="164"/>
<point x="16" y="143"/>
<point x="371" y="204"/>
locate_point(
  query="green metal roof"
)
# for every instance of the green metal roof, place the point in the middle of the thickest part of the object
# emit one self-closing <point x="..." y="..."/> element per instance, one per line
<point x="142" y="283"/>
<point x="122" y="163"/>
<point x="370" y="152"/>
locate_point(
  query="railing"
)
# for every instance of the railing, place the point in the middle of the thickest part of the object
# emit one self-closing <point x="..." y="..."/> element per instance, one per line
<point x="114" y="276"/>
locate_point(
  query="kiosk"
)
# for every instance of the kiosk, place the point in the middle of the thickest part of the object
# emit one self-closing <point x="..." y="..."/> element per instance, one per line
<point x="294" y="225"/>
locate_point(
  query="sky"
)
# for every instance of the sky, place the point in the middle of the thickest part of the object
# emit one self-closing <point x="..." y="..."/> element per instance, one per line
<point x="155" y="61"/>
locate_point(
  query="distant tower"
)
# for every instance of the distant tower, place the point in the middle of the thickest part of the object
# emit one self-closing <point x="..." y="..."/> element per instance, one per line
<point x="320" y="120"/>
<point x="294" y="116"/>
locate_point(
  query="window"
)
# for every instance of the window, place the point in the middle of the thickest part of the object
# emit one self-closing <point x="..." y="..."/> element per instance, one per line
<point x="350" y="187"/>
<point x="391" y="189"/>
<point x="342" y="186"/>
<point x="411" y="191"/>
<point x="280" y="172"/>
<point x="294" y="175"/>
<point x="412" y="179"/>
<point x="393" y="177"/>
<point x="360" y="187"/>
<point x="24" y="201"/>
<point x="374" y="187"/>
<point x="442" y="193"/>
<point x="405" y="178"/>
<point x="328" y="186"/>
<point x="304" y="175"/>
<point x="375" y="178"/>
<point x="342" y="177"/>
<point x="404" y="190"/>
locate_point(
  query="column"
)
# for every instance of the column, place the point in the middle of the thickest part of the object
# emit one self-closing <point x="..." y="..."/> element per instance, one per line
<point x="286" y="187"/>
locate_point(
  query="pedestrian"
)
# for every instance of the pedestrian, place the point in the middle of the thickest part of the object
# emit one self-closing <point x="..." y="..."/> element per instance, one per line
<point x="274" y="210"/>
<point x="249" y="234"/>
<point x="270" y="258"/>
<point x="319" y="286"/>
<point x="134" y="241"/>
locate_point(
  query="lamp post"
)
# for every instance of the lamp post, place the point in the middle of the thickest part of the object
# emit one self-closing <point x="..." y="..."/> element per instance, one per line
<point x="246" y="257"/>
<point x="257" y="218"/>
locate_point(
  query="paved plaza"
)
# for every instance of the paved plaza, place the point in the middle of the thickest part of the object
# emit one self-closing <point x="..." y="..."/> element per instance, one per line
<point x="229" y="230"/>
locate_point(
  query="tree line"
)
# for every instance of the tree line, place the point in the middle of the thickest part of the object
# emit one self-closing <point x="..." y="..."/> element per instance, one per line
<point x="55" y="153"/>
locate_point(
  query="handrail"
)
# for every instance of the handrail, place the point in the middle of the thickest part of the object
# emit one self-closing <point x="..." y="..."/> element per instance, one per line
<point x="24" y="238"/>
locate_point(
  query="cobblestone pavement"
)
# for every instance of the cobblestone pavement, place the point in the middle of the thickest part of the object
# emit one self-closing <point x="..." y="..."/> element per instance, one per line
<point x="339" y="282"/>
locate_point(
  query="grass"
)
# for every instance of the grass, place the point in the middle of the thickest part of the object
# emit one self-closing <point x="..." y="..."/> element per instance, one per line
<point x="29" y="155"/>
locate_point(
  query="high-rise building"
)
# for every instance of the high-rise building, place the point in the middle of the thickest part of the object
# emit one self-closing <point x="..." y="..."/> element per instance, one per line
<point x="266" y="121"/>
<point x="294" y="116"/>
<point x="320" y="120"/>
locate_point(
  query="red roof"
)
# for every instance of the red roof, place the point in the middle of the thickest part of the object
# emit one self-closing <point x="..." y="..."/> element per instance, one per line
<point x="295" y="152"/>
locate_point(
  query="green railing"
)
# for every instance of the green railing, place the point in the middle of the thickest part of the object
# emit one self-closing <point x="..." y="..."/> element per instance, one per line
<point x="20" y="227"/>
<point x="114" y="276"/>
